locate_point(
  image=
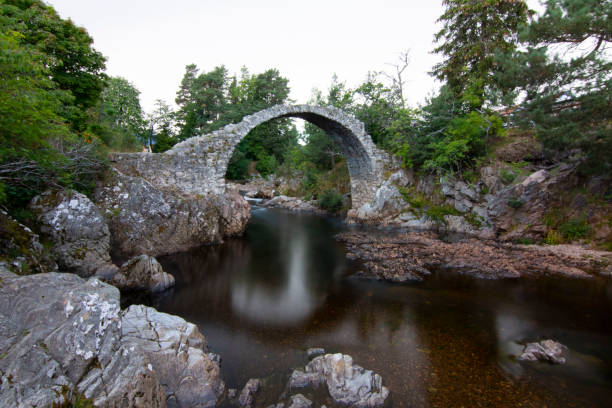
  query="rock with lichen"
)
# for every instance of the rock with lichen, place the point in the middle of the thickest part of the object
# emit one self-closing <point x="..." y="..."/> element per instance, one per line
<point x="148" y="219"/>
<point x="80" y="236"/>
<point x="65" y="340"/>
<point x="20" y="249"/>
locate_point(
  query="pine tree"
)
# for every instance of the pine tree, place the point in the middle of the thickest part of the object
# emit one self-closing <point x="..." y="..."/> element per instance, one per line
<point x="564" y="79"/>
<point x="473" y="31"/>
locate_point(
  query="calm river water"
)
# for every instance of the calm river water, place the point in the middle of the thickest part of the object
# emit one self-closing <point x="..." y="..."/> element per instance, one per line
<point x="263" y="299"/>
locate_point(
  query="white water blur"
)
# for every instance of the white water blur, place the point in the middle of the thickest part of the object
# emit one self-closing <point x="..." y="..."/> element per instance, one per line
<point x="288" y="304"/>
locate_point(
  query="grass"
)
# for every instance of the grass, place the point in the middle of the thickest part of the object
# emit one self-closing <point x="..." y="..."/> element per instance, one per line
<point x="524" y="241"/>
<point x="553" y="238"/>
<point x="474" y="220"/>
<point x="436" y="213"/>
<point x="575" y="229"/>
<point x="507" y="177"/>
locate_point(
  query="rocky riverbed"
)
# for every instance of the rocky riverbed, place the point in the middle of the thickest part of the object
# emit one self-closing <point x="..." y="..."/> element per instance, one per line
<point x="398" y="256"/>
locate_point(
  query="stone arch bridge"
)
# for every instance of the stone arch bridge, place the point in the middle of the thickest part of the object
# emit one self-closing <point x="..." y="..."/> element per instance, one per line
<point x="198" y="165"/>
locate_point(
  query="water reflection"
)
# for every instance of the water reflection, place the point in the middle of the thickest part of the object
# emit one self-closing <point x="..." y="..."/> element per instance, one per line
<point x="263" y="299"/>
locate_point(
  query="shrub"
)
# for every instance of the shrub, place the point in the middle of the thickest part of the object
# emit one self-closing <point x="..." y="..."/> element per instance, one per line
<point x="575" y="229"/>
<point x="553" y="238"/>
<point x="515" y="203"/>
<point x="331" y="201"/>
<point x="474" y="219"/>
<point x="524" y="241"/>
<point x="507" y="177"/>
<point x="436" y="213"/>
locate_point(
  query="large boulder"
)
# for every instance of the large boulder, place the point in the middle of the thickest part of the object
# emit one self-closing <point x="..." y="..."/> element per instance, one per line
<point x="63" y="339"/>
<point x="81" y="239"/>
<point x="145" y="219"/>
<point x="347" y="383"/>
<point x="190" y="377"/>
<point x="20" y="249"/>
<point x="143" y="273"/>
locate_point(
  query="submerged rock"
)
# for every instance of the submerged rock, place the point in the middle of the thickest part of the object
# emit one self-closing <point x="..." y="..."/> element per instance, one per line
<point x="545" y="350"/>
<point x="300" y="401"/>
<point x="143" y="273"/>
<point x="63" y="338"/>
<point x="347" y="384"/>
<point x="315" y="351"/>
<point x="81" y="239"/>
<point x="247" y="394"/>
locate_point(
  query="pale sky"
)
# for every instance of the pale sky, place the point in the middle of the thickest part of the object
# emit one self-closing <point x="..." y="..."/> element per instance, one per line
<point x="149" y="42"/>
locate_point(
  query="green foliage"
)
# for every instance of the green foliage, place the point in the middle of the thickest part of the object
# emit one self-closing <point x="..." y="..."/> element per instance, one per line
<point x="377" y="108"/>
<point x="524" y="241"/>
<point x="472" y="32"/>
<point x="436" y="213"/>
<point x="238" y="166"/>
<point x="474" y="220"/>
<point x="160" y="124"/>
<point x="553" y="238"/>
<point x="266" y="165"/>
<point x="515" y="203"/>
<point x="331" y="201"/>
<point x="416" y="200"/>
<point x="575" y="229"/>
<point x="120" y="118"/>
<point x="73" y="64"/>
<point x="210" y="100"/>
<point x="562" y="80"/>
<point x="507" y="177"/>
<point x="38" y="148"/>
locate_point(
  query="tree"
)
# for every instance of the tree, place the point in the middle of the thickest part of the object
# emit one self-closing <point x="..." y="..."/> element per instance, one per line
<point x="37" y="148"/>
<point x="396" y="78"/>
<point x="473" y="31"/>
<point x="160" y="125"/>
<point x="121" y="113"/>
<point x="202" y="101"/>
<point x="377" y="107"/>
<point x="73" y="64"/>
<point x="563" y="79"/>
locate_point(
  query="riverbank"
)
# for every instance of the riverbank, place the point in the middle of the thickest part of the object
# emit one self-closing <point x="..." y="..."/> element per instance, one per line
<point x="399" y="256"/>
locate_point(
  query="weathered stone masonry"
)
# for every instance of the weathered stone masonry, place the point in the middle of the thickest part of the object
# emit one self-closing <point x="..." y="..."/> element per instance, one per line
<point x="198" y="165"/>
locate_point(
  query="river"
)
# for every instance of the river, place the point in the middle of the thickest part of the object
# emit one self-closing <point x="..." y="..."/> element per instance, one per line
<point x="263" y="299"/>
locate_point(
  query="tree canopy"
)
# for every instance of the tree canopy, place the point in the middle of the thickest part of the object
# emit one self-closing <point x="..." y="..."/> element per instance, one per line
<point x="473" y="31"/>
<point x="560" y="81"/>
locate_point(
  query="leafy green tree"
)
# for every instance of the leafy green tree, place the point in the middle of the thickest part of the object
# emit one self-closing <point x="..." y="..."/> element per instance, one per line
<point x="202" y="101"/>
<point x="473" y="31"/>
<point x="120" y="118"/>
<point x="445" y="135"/>
<point x="563" y="80"/>
<point x="160" y="124"/>
<point x="73" y="64"/>
<point x="377" y="107"/>
<point x="37" y="148"/>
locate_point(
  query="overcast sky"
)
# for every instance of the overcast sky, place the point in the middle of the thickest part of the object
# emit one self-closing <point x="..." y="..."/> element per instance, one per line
<point x="149" y="42"/>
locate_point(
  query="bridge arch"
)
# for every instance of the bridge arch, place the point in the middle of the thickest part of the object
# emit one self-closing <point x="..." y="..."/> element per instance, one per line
<point x="365" y="161"/>
<point x="198" y="164"/>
